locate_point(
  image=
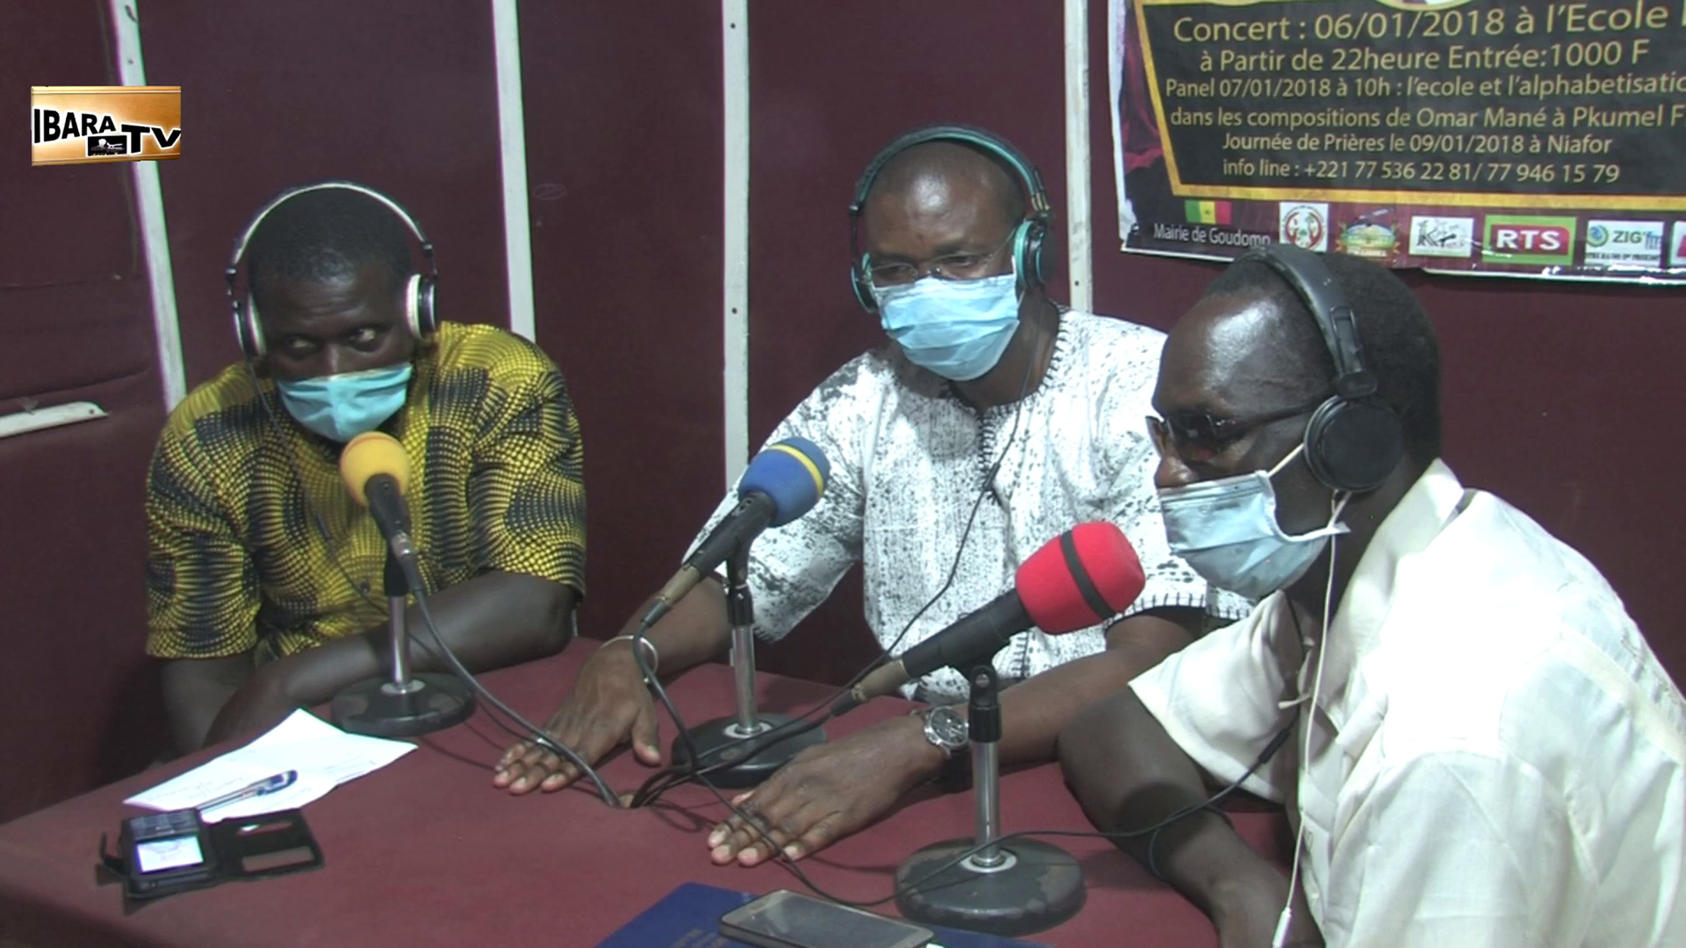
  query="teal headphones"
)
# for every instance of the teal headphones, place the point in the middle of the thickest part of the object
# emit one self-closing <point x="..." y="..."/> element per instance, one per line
<point x="1028" y="240"/>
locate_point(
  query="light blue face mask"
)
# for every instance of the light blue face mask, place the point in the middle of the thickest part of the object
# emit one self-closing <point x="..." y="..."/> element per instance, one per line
<point x="341" y="407"/>
<point x="1226" y="530"/>
<point x="955" y="328"/>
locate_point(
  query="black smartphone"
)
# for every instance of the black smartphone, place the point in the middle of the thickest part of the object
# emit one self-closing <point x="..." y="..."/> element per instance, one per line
<point x="786" y="919"/>
<point x="167" y="852"/>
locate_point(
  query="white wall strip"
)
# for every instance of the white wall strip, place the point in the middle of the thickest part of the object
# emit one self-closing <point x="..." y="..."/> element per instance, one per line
<point x="1114" y="86"/>
<point x="512" y="145"/>
<point x="734" y="40"/>
<point x="1079" y="221"/>
<point x="149" y="201"/>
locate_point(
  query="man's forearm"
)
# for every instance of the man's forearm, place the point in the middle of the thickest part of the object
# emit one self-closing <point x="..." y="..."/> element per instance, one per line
<point x="693" y="631"/>
<point x="1034" y="711"/>
<point x="1128" y="775"/>
<point x="491" y="621"/>
<point x="195" y="690"/>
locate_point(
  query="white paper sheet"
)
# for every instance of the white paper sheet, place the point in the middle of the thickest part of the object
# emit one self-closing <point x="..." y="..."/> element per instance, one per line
<point x="323" y="755"/>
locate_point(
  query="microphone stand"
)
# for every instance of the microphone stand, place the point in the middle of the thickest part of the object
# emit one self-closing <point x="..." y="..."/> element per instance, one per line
<point x="402" y="704"/>
<point x="1012" y="888"/>
<point x="723" y="741"/>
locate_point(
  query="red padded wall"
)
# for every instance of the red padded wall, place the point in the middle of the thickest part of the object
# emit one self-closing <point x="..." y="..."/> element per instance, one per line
<point x="77" y="707"/>
<point x="624" y="163"/>
<point x="278" y="94"/>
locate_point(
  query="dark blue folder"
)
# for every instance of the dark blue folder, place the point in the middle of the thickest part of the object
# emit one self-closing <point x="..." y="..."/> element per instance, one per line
<point x="689" y="917"/>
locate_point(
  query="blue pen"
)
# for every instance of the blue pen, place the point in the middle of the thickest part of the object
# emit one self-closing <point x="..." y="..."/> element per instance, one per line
<point x="256" y="789"/>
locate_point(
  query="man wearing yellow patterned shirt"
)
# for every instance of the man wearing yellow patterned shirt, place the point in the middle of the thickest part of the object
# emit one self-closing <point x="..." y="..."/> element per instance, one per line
<point x="264" y="578"/>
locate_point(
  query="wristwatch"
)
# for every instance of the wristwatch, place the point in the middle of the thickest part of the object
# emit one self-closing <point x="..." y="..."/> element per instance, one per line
<point x="946" y="729"/>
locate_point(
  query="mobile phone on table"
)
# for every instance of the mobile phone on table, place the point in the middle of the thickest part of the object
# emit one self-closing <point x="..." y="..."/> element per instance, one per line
<point x="786" y="919"/>
<point x="167" y="852"/>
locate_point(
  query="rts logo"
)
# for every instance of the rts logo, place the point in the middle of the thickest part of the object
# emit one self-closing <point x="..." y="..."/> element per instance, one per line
<point x="1511" y="238"/>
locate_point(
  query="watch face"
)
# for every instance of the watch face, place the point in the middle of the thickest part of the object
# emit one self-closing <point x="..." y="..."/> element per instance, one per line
<point x="946" y="728"/>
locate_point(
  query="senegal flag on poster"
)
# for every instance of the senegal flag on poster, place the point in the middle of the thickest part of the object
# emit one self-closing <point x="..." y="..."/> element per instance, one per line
<point x="1206" y="212"/>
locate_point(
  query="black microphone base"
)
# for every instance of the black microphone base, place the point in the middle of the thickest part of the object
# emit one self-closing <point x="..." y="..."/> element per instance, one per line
<point x="431" y="703"/>
<point x="722" y="741"/>
<point x="1037" y="886"/>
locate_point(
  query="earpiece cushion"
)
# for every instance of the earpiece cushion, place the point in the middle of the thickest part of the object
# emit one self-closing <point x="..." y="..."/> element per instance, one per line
<point x="862" y="283"/>
<point x="1353" y="445"/>
<point x="1028" y="242"/>
<point x="426" y="321"/>
<point x="248" y="330"/>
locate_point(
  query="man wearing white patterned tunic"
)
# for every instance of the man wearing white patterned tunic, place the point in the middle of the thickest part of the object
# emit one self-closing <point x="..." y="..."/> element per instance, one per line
<point x="990" y="399"/>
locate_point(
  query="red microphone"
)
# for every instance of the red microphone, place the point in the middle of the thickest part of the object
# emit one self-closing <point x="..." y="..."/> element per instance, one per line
<point x="1077" y="579"/>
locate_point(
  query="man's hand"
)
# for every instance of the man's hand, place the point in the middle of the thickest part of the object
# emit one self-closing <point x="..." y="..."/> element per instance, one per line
<point x="258" y="705"/>
<point x="826" y="792"/>
<point x="608" y="706"/>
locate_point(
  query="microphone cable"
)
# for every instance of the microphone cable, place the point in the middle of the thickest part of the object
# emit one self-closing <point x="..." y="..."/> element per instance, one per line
<point x="669" y="777"/>
<point x="534" y="733"/>
<point x="652" y="791"/>
<point x="437" y="648"/>
<point x="1152" y="829"/>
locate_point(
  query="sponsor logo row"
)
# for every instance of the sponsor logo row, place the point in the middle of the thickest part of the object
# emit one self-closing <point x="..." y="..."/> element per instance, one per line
<point x="1502" y="238"/>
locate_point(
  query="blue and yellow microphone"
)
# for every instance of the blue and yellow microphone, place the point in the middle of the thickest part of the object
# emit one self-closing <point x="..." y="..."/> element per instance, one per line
<point x="782" y="483"/>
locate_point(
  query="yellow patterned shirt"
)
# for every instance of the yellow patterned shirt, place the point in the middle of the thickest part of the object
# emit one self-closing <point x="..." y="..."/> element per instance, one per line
<point x="253" y="539"/>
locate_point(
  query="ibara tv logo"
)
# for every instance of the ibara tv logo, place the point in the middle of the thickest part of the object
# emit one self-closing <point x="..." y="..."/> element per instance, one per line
<point x="83" y="124"/>
<point x="1519" y="239"/>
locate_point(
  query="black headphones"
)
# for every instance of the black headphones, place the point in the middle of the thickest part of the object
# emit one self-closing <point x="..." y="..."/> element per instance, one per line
<point x="1354" y="439"/>
<point x="419" y="313"/>
<point x="1028" y="239"/>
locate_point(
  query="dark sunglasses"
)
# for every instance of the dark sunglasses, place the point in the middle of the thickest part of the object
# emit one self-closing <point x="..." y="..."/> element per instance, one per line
<point x="1199" y="437"/>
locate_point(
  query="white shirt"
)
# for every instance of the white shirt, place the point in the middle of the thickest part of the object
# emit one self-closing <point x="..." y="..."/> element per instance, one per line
<point x="1496" y="755"/>
<point x="908" y="462"/>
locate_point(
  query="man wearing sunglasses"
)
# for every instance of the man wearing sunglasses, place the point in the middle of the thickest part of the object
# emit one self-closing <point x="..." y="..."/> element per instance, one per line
<point x="1477" y="746"/>
<point x="993" y="422"/>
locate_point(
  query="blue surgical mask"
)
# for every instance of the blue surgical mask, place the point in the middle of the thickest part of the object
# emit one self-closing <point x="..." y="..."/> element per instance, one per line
<point x="1226" y="530"/>
<point x="341" y="407"/>
<point x="955" y="328"/>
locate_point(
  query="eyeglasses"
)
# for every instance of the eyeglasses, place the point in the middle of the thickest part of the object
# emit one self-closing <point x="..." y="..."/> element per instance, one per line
<point x="1198" y="437"/>
<point x="952" y="266"/>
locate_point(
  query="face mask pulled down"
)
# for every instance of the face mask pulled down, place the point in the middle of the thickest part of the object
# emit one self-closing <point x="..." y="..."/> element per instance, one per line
<point x="1226" y="530"/>
<point x="955" y="328"/>
<point x="341" y="407"/>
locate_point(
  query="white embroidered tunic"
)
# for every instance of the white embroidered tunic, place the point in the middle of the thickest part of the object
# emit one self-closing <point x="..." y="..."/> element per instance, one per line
<point x="909" y="460"/>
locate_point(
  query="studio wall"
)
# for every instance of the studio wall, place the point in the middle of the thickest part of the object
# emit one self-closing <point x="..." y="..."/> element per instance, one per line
<point x="276" y="95"/>
<point x="77" y="701"/>
<point x="623" y="112"/>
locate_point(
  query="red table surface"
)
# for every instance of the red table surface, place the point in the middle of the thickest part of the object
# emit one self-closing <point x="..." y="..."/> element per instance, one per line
<point x="427" y="852"/>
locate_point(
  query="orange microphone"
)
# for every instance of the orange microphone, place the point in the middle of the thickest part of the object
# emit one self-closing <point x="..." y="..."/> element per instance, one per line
<point x="376" y="471"/>
<point x="401" y="704"/>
